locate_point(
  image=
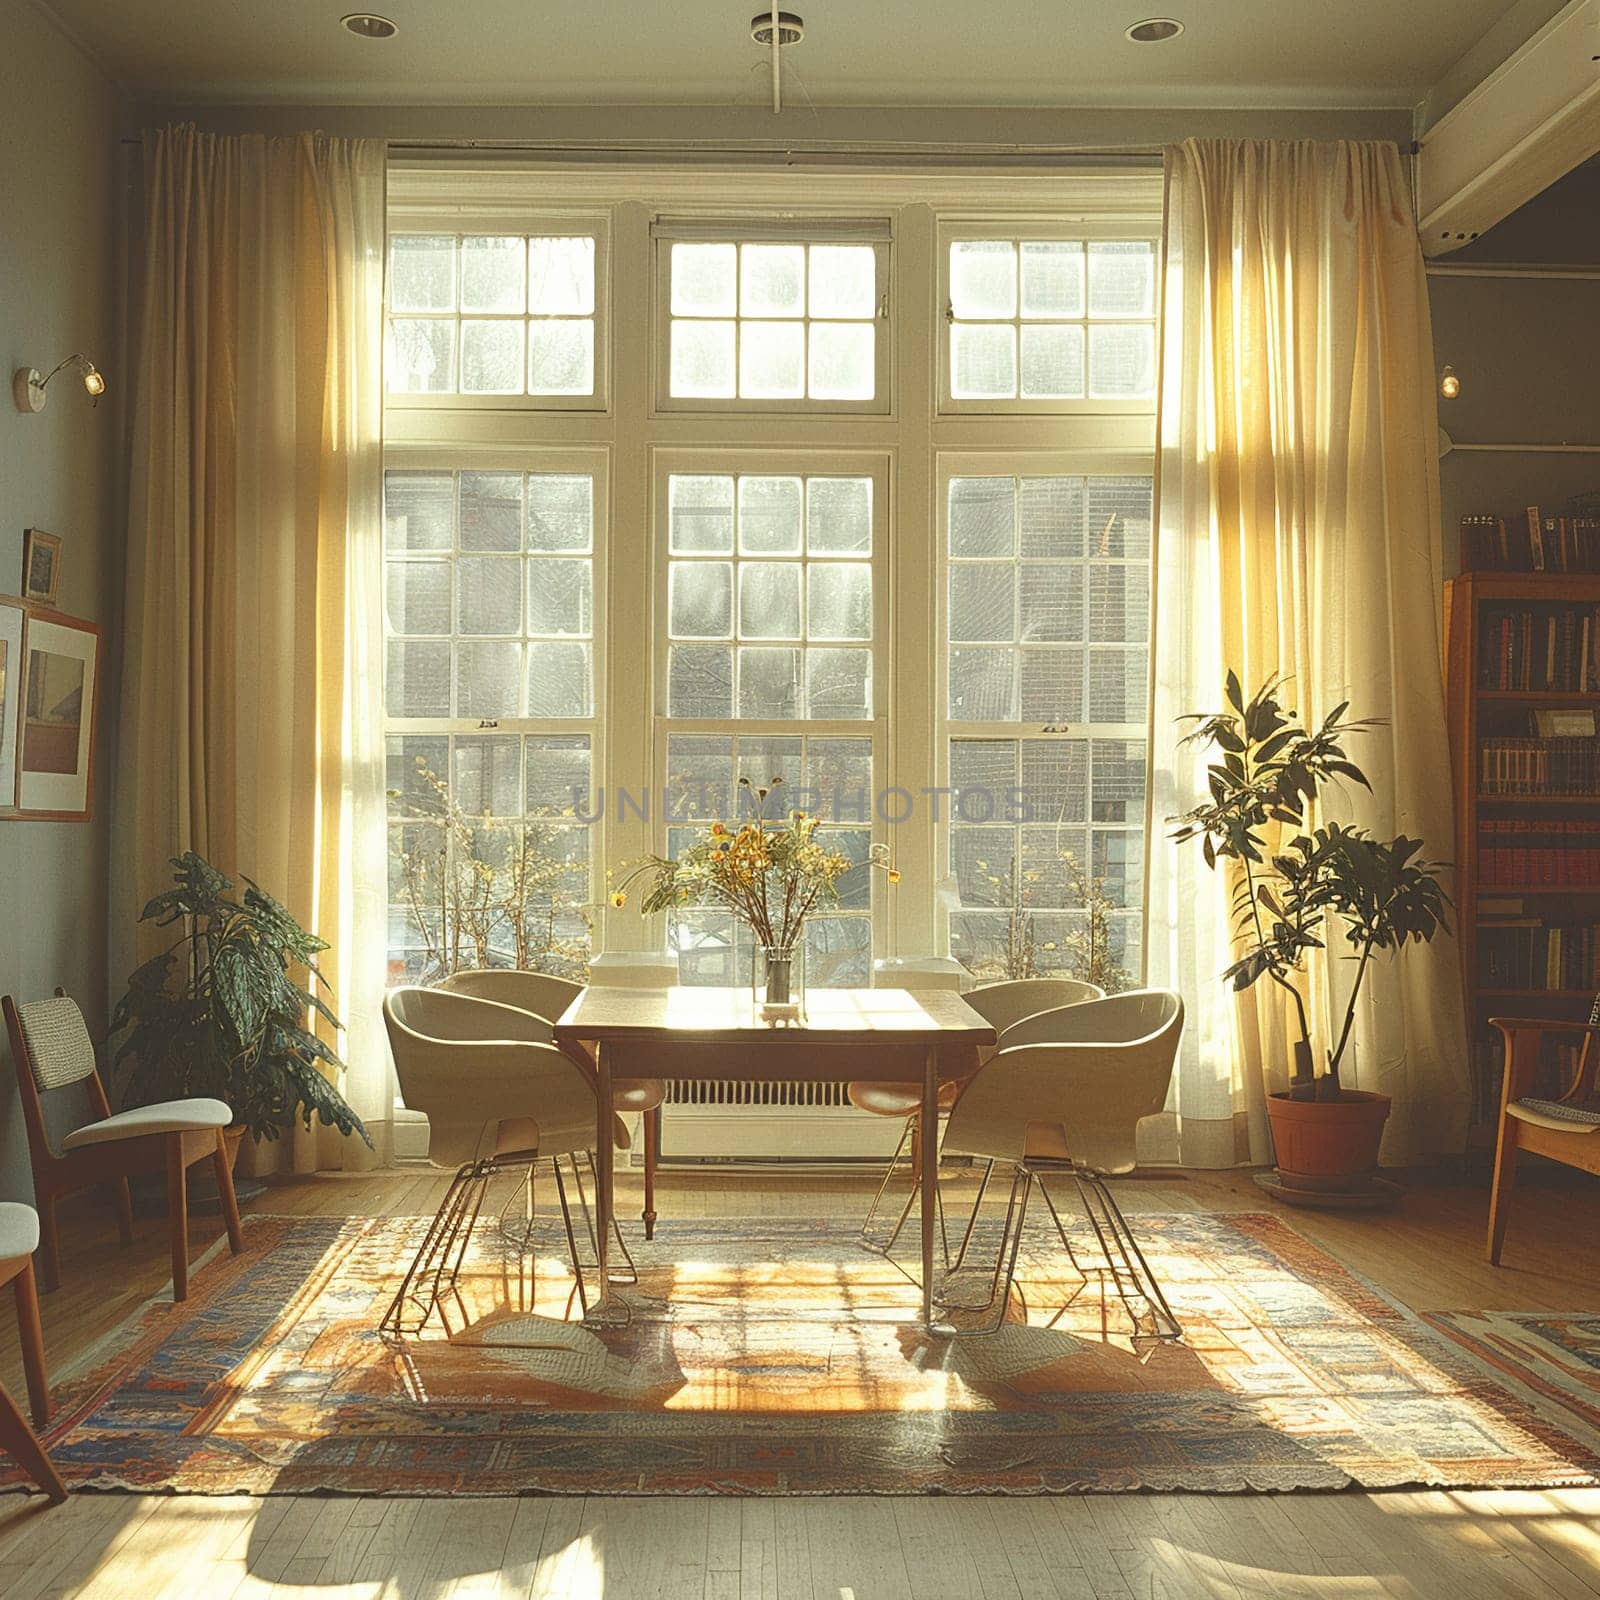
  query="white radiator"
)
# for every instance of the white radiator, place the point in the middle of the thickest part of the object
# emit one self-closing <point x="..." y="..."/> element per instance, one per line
<point x="716" y="1122"/>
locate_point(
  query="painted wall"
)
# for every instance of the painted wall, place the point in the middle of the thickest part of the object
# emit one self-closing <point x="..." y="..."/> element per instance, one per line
<point x="59" y="273"/>
<point x="1525" y="351"/>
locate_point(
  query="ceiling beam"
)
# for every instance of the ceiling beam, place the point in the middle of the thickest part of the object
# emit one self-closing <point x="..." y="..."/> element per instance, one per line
<point x="1531" y="121"/>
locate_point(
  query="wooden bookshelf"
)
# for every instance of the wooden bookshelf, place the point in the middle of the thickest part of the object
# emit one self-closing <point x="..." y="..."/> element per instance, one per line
<point x="1477" y="712"/>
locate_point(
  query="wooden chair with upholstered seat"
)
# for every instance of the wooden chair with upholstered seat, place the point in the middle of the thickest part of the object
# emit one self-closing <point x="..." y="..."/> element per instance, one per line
<point x="19" y="1238"/>
<point x="547" y="997"/>
<point x="76" y="1143"/>
<point x="1566" y="1129"/>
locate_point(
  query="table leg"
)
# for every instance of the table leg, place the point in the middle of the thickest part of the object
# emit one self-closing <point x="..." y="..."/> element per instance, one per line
<point x="929" y="1175"/>
<point x="605" y="1165"/>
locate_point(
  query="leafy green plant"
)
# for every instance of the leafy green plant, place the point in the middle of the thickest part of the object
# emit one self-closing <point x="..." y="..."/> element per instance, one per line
<point x="1325" y="881"/>
<point x="220" y="1012"/>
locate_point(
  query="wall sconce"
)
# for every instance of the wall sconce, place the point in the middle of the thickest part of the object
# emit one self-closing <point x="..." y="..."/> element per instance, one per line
<point x="1449" y="384"/>
<point x="27" y="387"/>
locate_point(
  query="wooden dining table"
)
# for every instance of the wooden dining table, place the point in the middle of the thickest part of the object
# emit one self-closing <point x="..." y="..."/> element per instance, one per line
<point x="919" y="1039"/>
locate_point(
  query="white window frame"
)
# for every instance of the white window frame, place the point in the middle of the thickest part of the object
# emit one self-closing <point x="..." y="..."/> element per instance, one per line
<point x="1129" y="461"/>
<point x="465" y="223"/>
<point x="1025" y="230"/>
<point x="736" y="230"/>
<point x="744" y="461"/>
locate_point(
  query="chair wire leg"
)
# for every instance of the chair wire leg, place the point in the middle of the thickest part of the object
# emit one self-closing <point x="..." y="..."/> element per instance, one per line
<point x="435" y="1270"/>
<point x="1066" y="1244"/>
<point x="1130" y="1272"/>
<point x="572" y="1239"/>
<point x="972" y="1218"/>
<point x="888" y="1178"/>
<point x="1005" y="1267"/>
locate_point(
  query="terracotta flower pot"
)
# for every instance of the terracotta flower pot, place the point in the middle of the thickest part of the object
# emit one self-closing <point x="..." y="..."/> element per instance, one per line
<point x="1322" y="1144"/>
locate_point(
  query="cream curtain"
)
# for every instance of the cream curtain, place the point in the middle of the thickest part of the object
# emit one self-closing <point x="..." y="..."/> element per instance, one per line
<point x="251" y="724"/>
<point x="1299" y="534"/>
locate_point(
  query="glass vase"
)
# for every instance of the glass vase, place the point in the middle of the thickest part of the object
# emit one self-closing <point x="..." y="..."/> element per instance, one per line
<point x="778" y="983"/>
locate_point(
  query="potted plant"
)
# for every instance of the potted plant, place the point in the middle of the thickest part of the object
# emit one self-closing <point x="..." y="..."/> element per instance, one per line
<point x="1303" y="884"/>
<point x="222" y="1011"/>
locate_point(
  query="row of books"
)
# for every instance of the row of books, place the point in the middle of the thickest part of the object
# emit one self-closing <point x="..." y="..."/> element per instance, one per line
<point x="1530" y="543"/>
<point x="1558" y="1066"/>
<point x="1541" y="850"/>
<point x="1521" y="954"/>
<point x="1551" y="648"/>
<point x="1539" y="766"/>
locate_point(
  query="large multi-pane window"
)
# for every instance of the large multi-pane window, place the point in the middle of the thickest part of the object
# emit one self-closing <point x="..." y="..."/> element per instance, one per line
<point x="1047" y="620"/>
<point x="489" y="692"/>
<point x="848" y="488"/>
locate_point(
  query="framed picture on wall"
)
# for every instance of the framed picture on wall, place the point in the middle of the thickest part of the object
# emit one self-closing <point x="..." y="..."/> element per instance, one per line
<point x="41" y="566"/>
<point x="60" y="683"/>
<point x="13" y="634"/>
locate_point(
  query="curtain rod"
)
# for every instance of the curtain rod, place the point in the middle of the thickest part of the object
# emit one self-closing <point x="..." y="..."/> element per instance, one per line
<point x="1529" y="449"/>
<point x="1509" y="269"/>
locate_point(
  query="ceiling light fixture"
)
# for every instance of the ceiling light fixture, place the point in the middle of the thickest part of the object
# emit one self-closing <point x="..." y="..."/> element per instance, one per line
<point x="27" y="387"/>
<point x="1449" y="384"/>
<point x="368" y="25"/>
<point x="791" y="29"/>
<point x="1154" y="30"/>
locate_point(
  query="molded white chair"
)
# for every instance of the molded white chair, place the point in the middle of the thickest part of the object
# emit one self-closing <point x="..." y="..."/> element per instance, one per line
<point x="1065" y="1094"/>
<point x="547" y="996"/>
<point x="1000" y="1005"/>
<point x="19" y="1238"/>
<point x="498" y="1095"/>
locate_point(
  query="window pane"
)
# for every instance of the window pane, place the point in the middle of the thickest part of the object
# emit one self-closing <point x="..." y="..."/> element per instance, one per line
<point x="1052" y="278"/>
<point x="561" y="277"/>
<point x="558" y="680"/>
<point x="843" y="356"/>
<point x="772" y="280"/>
<point x="772" y="360"/>
<point x="839" y="516"/>
<point x="491" y="511"/>
<point x="411" y="763"/>
<point x="983" y="516"/>
<point x="843" y="280"/>
<point x="1118" y="787"/>
<point x="703" y="280"/>
<point x="702" y="360"/>
<point x="416" y="680"/>
<point x="422" y="272"/>
<point x="1117" y="684"/>
<point x="839" y="600"/>
<point x="488" y="595"/>
<point x="769" y="516"/>
<point x="421" y="356"/>
<point x="838" y="951"/>
<point x="1052" y="686"/>
<point x="1122" y="361"/>
<point x="1055" y="779"/>
<point x="493" y="273"/>
<point x="1119" y="516"/>
<point x="558" y="774"/>
<point x="1052" y="516"/>
<point x="839" y="774"/>
<point x="983" y="278"/>
<point x="561" y="358"/>
<point x="1052" y="601"/>
<point x="487" y="678"/>
<point x="418" y="510"/>
<point x="700" y="599"/>
<point x="983" y="602"/>
<point x="983" y="685"/>
<point x="487" y="775"/>
<point x="1119" y="603"/>
<point x="763" y="758"/>
<point x="769" y="682"/>
<point x="769" y="600"/>
<point x="1122" y="277"/>
<point x="491" y="358"/>
<point x="700" y="680"/>
<point x="1052" y="361"/>
<point x="417" y="596"/>
<point x="838" y="683"/>
<point x="560" y="511"/>
<point x="700" y="514"/>
<point x="983" y="361"/>
<point x="560" y="598"/>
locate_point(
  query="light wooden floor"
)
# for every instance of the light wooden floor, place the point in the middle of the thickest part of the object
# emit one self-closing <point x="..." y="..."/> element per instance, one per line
<point x="1410" y="1546"/>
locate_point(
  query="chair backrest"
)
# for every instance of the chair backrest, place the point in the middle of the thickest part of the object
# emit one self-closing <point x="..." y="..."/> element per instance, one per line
<point x="58" y="1081"/>
<point x="1003" y="1004"/>
<point x="470" y="1064"/>
<point x="1074" y="1083"/>
<point x="541" y="993"/>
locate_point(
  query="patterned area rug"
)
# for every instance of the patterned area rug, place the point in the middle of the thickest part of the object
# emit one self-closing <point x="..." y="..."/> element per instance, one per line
<point x="777" y="1357"/>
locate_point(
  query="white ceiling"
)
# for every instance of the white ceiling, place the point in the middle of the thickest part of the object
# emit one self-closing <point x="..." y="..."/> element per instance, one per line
<point x="1235" y="53"/>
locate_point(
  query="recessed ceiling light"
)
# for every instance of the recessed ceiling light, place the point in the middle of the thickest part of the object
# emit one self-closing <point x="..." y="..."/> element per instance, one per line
<point x="368" y="25"/>
<point x="791" y="29"/>
<point x="1154" y="29"/>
